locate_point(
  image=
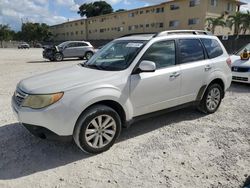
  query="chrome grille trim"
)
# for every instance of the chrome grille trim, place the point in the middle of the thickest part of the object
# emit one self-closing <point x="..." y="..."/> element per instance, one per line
<point x="19" y="96"/>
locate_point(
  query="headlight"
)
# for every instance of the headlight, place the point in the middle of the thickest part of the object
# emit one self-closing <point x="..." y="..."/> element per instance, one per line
<point x="41" y="101"/>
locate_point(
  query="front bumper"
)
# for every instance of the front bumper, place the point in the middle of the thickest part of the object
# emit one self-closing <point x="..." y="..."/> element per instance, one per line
<point x="243" y="77"/>
<point x="55" y="118"/>
<point x="44" y="133"/>
<point x="48" y="54"/>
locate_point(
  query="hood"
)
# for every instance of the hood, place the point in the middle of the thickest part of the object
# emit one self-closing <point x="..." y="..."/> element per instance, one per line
<point x="237" y="62"/>
<point x="63" y="79"/>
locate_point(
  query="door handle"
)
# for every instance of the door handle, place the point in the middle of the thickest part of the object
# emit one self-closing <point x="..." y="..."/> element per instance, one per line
<point x="175" y="75"/>
<point x="208" y="68"/>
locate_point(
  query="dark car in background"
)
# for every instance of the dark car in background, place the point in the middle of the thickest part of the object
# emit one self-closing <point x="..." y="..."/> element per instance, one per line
<point x="23" y="45"/>
<point x="69" y="49"/>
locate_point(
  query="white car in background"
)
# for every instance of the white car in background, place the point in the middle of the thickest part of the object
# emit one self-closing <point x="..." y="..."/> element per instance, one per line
<point x="241" y="65"/>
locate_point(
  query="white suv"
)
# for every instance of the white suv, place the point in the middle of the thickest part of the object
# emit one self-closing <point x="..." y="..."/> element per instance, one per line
<point x="129" y="77"/>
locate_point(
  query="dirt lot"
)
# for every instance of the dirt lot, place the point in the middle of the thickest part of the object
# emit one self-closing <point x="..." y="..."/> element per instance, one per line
<point x="180" y="149"/>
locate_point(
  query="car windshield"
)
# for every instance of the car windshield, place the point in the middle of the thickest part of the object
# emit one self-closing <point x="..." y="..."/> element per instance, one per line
<point x="242" y="49"/>
<point x="116" y="55"/>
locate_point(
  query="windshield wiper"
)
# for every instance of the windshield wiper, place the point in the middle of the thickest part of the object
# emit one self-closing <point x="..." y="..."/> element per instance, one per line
<point x="92" y="66"/>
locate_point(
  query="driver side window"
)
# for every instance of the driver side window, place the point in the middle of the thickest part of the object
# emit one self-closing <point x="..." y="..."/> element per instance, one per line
<point x="161" y="53"/>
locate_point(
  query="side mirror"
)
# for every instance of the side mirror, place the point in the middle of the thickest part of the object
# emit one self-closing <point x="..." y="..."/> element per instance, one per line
<point x="147" y="66"/>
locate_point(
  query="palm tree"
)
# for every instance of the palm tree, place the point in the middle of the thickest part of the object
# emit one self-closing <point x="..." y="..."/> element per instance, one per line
<point x="214" y="22"/>
<point x="236" y="21"/>
<point x="246" y="22"/>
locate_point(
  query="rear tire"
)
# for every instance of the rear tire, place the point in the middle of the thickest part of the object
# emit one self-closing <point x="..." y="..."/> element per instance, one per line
<point x="97" y="129"/>
<point x="211" y="100"/>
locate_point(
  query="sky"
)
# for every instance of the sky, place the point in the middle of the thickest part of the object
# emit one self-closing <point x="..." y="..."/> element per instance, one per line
<point x="14" y="12"/>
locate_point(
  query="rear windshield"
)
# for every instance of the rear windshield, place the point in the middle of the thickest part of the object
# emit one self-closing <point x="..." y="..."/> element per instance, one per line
<point x="213" y="48"/>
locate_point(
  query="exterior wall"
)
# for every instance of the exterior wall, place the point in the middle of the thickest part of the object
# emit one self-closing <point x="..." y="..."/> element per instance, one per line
<point x="144" y="20"/>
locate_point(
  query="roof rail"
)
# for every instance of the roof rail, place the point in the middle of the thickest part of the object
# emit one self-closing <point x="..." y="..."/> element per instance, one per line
<point x="131" y="34"/>
<point x="194" y="32"/>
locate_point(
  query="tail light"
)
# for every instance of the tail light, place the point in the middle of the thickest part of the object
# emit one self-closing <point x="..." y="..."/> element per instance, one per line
<point x="229" y="62"/>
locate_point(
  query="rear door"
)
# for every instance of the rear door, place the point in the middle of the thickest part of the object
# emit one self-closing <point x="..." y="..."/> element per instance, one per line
<point x="82" y="48"/>
<point x="195" y="67"/>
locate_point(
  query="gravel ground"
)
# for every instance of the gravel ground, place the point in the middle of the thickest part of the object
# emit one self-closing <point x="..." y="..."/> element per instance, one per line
<point x="180" y="149"/>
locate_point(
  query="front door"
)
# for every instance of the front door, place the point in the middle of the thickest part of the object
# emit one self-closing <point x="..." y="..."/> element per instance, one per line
<point x="150" y="92"/>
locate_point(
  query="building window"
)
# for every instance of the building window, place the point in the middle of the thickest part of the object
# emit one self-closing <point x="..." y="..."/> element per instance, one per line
<point x="194" y="3"/>
<point x="230" y="7"/>
<point x="141" y="12"/>
<point x="76" y="24"/>
<point x="193" y="21"/>
<point x="81" y="23"/>
<point x="174" y="23"/>
<point x="72" y="33"/>
<point x="81" y="32"/>
<point x="131" y="15"/>
<point x="147" y="11"/>
<point x="76" y="32"/>
<point x="160" y="10"/>
<point x="157" y="25"/>
<point x="147" y="25"/>
<point x="141" y="25"/>
<point x="174" y="7"/>
<point x="120" y="28"/>
<point x="214" y="3"/>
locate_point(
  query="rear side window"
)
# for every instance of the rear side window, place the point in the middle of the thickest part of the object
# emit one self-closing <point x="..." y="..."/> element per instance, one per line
<point x="162" y="53"/>
<point x="190" y="50"/>
<point x="82" y="44"/>
<point x="213" y="48"/>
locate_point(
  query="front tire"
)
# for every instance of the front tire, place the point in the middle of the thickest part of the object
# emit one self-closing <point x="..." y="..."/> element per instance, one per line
<point x="88" y="55"/>
<point x="58" y="57"/>
<point x="97" y="129"/>
<point x="212" y="99"/>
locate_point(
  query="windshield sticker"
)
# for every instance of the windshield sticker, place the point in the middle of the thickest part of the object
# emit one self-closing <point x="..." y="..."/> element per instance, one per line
<point x="134" y="45"/>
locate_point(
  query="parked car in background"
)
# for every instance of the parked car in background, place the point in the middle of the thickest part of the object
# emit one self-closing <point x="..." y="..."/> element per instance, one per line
<point x="128" y="78"/>
<point x="23" y="45"/>
<point x="38" y="45"/>
<point x="241" y="65"/>
<point x="69" y="49"/>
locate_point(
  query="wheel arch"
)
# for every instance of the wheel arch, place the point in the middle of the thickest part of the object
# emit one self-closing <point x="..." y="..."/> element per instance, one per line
<point x="204" y="88"/>
<point x="110" y="103"/>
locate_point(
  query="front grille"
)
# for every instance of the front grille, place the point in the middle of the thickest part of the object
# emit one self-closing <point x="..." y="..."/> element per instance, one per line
<point x="240" y="78"/>
<point x="240" y="69"/>
<point x="19" y="97"/>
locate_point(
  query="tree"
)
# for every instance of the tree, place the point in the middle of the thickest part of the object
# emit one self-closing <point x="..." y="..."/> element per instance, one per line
<point x="245" y="22"/>
<point x="5" y="33"/>
<point x="33" y="32"/>
<point x="236" y="21"/>
<point x="214" y="22"/>
<point x="95" y="9"/>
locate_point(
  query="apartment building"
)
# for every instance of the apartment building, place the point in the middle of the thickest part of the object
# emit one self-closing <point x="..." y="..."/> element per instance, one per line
<point x="169" y="15"/>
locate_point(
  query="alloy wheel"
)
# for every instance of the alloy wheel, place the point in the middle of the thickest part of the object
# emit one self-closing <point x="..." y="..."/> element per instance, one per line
<point x="213" y="99"/>
<point x="100" y="131"/>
